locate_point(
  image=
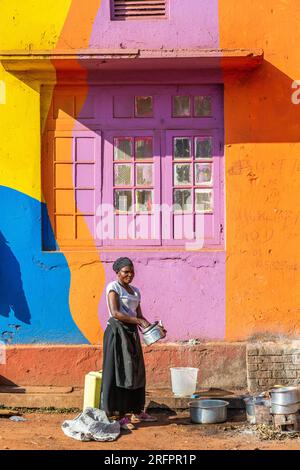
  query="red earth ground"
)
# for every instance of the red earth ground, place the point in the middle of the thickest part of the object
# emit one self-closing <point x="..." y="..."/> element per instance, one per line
<point x="43" y="431"/>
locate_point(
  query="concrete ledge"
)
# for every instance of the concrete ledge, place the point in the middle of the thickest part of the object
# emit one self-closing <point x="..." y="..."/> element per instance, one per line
<point x="221" y="365"/>
<point x="162" y="399"/>
<point x="43" y="400"/>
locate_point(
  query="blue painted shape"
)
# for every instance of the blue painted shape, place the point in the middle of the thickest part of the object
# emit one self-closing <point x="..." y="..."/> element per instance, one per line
<point x="34" y="285"/>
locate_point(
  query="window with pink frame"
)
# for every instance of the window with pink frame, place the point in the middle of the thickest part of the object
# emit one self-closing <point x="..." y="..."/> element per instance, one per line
<point x="144" y="183"/>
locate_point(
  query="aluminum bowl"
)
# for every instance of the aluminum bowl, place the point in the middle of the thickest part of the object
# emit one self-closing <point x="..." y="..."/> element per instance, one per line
<point x="285" y="395"/>
<point x="285" y="409"/>
<point x="208" y="411"/>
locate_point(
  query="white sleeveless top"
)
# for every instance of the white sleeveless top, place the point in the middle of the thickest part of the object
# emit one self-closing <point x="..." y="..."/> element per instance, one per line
<point x="128" y="302"/>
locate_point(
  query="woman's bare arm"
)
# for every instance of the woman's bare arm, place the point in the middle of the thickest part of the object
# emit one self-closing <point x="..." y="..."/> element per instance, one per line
<point x="114" y="307"/>
<point x="146" y="323"/>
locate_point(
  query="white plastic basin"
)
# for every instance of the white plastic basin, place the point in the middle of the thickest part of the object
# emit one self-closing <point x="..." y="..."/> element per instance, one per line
<point x="184" y="380"/>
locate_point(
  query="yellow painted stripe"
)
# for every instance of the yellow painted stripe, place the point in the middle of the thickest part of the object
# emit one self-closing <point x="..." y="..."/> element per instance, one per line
<point x="24" y="25"/>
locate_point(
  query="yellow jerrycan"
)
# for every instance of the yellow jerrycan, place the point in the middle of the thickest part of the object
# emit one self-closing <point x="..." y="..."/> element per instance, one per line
<point x="92" y="389"/>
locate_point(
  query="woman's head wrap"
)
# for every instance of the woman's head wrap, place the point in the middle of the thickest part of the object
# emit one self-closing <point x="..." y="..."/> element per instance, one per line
<point x="121" y="263"/>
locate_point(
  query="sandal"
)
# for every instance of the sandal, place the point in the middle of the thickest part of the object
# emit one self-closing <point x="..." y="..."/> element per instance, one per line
<point x="144" y="417"/>
<point x="126" y="424"/>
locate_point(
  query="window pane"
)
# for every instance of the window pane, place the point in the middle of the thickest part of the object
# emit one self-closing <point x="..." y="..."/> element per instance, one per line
<point x="123" y="149"/>
<point x="144" y="174"/>
<point x="122" y="175"/>
<point x="203" y="147"/>
<point x="181" y="106"/>
<point x="203" y="173"/>
<point x="144" y="200"/>
<point x="143" y="106"/>
<point x="182" y="174"/>
<point x="143" y="147"/>
<point x="182" y="147"/>
<point x="183" y="200"/>
<point x="203" y="200"/>
<point x="203" y="106"/>
<point x="123" y="200"/>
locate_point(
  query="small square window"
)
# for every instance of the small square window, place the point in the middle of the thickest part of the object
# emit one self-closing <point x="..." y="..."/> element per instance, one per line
<point x="123" y="148"/>
<point x="123" y="200"/>
<point x="182" y="174"/>
<point x="182" y="200"/>
<point x="204" y="201"/>
<point x="181" y="106"/>
<point x="144" y="174"/>
<point x="203" y="106"/>
<point x="122" y="174"/>
<point x="144" y="200"/>
<point x="203" y="174"/>
<point x="182" y="148"/>
<point x="143" y="106"/>
<point x="143" y="148"/>
<point x="203" y="147"/>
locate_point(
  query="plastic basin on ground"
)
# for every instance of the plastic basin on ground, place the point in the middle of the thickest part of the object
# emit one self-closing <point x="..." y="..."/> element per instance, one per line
<point x="184" y="380"/>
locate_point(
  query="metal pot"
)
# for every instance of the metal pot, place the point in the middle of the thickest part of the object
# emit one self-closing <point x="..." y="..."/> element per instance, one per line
<point x="285" y="395"/>
<point x="285" y="409"/>
<point x="208" y="411"/>
<point x="153" y="333"/>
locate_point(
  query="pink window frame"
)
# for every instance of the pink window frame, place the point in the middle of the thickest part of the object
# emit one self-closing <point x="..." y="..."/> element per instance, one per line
<point x="108" y="181"/>
<point x="167" y="194"/>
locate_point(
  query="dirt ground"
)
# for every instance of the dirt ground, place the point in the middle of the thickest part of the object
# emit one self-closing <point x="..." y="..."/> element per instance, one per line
<point x="43" y="431"/>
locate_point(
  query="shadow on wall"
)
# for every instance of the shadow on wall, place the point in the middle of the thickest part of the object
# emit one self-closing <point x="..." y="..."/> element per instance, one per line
<point x="12" y="295"/>
<point x="259" y="107"/>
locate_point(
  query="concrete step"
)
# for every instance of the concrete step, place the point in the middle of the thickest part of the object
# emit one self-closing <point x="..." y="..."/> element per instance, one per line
<point x="69" y="397"/>
<point x="34" y="389"/>
<point x="35" y="397"/>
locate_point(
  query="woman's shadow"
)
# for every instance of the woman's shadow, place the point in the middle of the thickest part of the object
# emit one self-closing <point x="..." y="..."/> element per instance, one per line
<point x="12" y="296"/>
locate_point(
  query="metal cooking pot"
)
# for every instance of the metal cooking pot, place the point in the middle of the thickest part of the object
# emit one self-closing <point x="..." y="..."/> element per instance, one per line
<point x="208" y="411"/>
<point x="285" y="395"/>
<point x="153" y="333"/>
<point x="285" y="409"/>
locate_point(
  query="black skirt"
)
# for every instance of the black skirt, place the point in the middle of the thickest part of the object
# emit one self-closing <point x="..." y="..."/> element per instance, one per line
<point x="117" y="399"/>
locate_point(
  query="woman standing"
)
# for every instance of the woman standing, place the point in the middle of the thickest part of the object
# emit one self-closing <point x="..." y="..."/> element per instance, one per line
<point x="123" y="380"/>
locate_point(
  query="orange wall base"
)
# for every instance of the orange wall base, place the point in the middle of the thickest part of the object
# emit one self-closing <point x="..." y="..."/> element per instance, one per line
<point x="221" y="365"/>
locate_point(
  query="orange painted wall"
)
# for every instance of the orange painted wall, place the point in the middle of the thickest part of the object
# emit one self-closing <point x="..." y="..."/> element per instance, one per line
<point x="262" y="135"/>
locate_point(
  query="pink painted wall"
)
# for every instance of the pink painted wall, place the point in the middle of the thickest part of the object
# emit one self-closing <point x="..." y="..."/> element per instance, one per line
<point x="191" y="23"/>
<point x="185" y="290"/>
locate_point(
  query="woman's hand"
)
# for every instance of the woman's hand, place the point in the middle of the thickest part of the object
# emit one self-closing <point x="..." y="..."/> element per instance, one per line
<point x="143" y="323"/>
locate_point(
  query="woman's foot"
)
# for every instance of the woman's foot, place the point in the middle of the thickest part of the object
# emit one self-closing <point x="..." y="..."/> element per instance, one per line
<point x="126" y="424"/>
<point x="143" y="416"/>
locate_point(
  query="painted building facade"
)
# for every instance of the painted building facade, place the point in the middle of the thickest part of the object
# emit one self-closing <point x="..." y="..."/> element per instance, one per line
<point x="192" y="104"/>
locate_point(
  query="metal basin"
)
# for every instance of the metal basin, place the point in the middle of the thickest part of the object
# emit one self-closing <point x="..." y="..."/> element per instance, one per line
<point x="285" y="395"/>
<point x="285" y="409"/>
<point x="153" y="333"/>
<point x="208" y="411"/>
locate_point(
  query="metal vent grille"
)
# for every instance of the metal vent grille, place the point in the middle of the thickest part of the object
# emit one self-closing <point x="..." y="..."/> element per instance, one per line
<point x="138" y="9"/>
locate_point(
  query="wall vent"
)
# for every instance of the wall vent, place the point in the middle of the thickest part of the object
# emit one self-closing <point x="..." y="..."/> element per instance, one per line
<point x="138" y="9"/>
